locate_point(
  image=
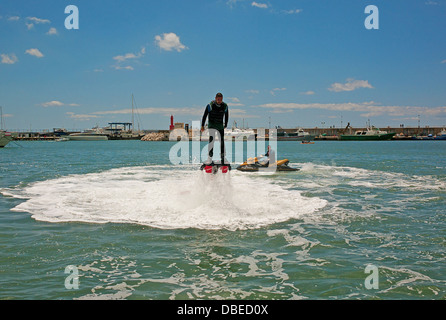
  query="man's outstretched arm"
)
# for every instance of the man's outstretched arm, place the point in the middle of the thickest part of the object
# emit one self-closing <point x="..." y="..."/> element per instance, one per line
<point x="205" y="115"/>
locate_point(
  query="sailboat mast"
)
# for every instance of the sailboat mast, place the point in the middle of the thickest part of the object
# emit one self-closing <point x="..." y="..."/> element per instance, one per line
<point x="133" y="120"/>
<point x="1" y="118"/>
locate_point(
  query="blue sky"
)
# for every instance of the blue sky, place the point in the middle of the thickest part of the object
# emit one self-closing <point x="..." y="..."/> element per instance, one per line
<point x="294" y="63"/>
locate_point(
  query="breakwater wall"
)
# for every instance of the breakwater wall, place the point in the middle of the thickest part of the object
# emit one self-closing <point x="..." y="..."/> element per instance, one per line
<point x="320" y="133"/>
<point x="405" y="131"/>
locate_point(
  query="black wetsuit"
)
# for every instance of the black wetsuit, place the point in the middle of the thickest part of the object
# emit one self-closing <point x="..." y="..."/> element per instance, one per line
<point x="218" y="120"/>
<point x="271" y="156"/>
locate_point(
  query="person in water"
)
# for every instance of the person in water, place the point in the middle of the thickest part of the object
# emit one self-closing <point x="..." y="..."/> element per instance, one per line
<point x="218" y="114"/>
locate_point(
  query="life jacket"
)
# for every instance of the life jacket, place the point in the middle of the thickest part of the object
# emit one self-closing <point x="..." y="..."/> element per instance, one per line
<point x="216" y="114"/>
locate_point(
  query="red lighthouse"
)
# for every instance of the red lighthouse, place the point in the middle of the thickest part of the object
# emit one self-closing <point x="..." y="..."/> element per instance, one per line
<point x="171" y="123"/>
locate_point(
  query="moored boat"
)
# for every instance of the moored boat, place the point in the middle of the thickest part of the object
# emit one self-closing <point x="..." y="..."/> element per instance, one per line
<point x="370" y="134"/>
<point x="87" y="137"/>
<point x="441" y="135"/>
<point x="94" y="134"/>
<point x="299" y="135"/>
<point x="237" y="133"/>
<point x="5" y="138"/>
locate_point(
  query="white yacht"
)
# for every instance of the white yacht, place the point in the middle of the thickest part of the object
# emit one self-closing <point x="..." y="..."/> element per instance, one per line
<point x="300" y="133"/>
<point x="235" y="133"/>
<point x="95" y="134"/>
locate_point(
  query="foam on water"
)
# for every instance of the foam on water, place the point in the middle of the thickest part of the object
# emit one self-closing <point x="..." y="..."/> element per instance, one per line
<point x="163" y="197"/>
<point x="182" y="197"/>
<point x="322" y="199"/>
<point x="334" y="175"/>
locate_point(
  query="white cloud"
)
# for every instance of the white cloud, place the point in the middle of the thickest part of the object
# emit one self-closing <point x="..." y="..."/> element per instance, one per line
<point x="295" y="11"/>
<point x="128" y="56"/>
<point x="37" y="20"/>
<point x="123" y="68"/>
<point x="14" y="18"/>
<point x="350" y="85"/>
<point x="82" y="117"/>
<point x="125" y="57"/>
<point x="259" y="5"/>
<point x="281" y="111"/>
<point x="9" y="58"/>
<point x="365" y="106"/>
<point x="241" y="114"/>
<point x="234" y="102"/>
<point x="162" y="111"/>
<point x="52" y="104"/>
<point x="52" y="31"/>
<point x="34" y="20"/>
<point x="169" y="42"/>
<point x="444" y="61"/>
<point x="177" y="111"/>
<point x="367" y="109"/>
<point x="252" y="91"/>
<point x="308" y="93"/>
<point x="232" y="3"/>
<point x="273" y="92"/>
<point x="34" y="52"/>
<point x="56" y="103"/>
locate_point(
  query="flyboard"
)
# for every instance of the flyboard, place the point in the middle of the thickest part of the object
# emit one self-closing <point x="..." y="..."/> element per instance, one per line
<point x="214" y="167"/>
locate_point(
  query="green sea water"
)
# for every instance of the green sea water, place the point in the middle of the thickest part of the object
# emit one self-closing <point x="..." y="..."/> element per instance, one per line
<point x="134" y="226"/>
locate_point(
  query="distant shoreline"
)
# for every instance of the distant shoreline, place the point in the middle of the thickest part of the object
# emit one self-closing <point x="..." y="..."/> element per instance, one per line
<point x="326" y="134"/>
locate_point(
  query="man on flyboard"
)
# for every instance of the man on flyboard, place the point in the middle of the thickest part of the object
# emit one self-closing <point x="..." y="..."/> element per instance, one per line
<point x="218" y="114"/>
